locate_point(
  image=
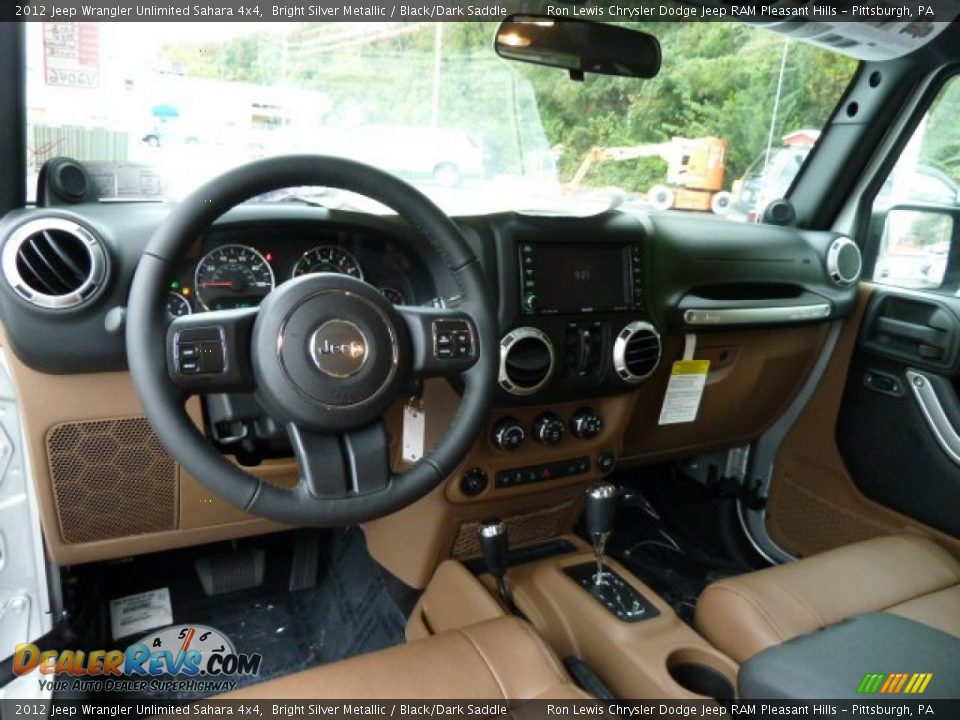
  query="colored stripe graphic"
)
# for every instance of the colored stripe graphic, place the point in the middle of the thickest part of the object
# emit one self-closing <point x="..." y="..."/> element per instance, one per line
<point x="894" y="683"/>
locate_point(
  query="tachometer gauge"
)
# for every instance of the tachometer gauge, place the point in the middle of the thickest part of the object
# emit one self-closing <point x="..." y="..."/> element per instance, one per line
<point x="328" y="258"/>
<point x="232" y="276"/>
<point x="177" y="305"/>
<point x="393" y="295"/>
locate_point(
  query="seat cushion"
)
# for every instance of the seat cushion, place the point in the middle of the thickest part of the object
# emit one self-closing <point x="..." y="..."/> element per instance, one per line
<point x="905" y="574"/>
<point x="498" y="659"/>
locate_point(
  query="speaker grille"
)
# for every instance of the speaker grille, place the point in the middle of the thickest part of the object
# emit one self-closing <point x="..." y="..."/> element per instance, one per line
<point x="111" y="479"/>
<point x="523" y="529"/>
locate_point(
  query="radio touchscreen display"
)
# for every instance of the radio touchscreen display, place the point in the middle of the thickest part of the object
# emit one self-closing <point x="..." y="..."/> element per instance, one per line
<point x="577" y="277"/>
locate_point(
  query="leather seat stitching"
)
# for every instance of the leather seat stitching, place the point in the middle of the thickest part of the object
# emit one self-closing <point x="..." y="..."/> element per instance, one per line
<point x="748" y="597"/>
<point x="819" y="620"/>
<point x="486" y="662"/>
<point x="545" y="652"/>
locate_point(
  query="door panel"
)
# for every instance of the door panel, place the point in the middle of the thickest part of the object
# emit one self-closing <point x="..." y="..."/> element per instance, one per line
<point x="889" y="447"/>
<point x="900" y="407"/>
<point x="815" y="503"/>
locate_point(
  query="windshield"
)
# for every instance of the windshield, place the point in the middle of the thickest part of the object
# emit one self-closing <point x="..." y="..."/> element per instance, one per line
<point x="155" y="109"/>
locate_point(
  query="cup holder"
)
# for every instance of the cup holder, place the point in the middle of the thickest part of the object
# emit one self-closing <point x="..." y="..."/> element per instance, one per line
<point x="695" y="671"/>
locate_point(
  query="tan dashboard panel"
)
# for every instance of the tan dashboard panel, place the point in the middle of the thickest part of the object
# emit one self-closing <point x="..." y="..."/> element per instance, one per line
<point x="99" y="415"/>
<point x="754" y="375"/>
<point x="814" y="503"/>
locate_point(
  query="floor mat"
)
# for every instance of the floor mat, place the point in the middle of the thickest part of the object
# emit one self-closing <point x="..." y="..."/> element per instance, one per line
<point x="663" y="534"/>
<point x="348" y="613"/>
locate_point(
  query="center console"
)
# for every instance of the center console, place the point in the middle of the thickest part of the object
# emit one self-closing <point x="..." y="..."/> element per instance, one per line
<point x="588" y="608"/>
<point x="644" y="654"/>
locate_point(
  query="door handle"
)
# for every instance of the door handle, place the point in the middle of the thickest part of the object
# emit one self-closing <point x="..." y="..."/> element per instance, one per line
<point x="933" y="411"/>
<point x="923" y="334"/>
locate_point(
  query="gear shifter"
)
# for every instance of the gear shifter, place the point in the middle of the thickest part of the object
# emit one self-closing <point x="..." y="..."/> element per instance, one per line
<point x="599" y="514"/>
<point x="494" y="544"/>
<point x="606" y="585"/>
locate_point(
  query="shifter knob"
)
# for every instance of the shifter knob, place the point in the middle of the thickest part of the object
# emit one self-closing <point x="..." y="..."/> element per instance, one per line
<point x="493" y="543"/>
<point x="601" y="508"/>
<point x="599" y="514"/>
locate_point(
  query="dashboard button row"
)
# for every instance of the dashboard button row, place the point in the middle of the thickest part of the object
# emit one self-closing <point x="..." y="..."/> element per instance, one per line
<point x="540" y="473"/>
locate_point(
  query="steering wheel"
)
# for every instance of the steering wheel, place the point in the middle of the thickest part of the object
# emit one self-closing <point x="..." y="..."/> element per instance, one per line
<point x="325" y="354"/>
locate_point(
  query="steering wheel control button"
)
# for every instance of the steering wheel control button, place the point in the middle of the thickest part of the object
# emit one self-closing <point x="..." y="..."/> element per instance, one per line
<point x="508" y="434"/>
<point x="473" y="482"/>
<point x="339" y="348"/>
<point x="605" y="461"/>
<point x="200" y="351"/>
<point x="586" y="424"/>
<point x="548" y="429"/>
<point x="452" y="339"/>
<point x="542" y="473"/>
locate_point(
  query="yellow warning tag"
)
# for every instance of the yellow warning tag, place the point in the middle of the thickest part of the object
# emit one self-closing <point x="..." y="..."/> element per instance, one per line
<point x="681" y="402"/>
<point x="690" y="367"/>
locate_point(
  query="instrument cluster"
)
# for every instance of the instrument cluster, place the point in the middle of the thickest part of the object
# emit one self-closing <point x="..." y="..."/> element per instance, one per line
<point x="236" y="268"/>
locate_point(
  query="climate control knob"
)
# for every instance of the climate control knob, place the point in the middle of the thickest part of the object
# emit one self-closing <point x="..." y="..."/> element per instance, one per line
<point x="586" y="423"/>
<point x="508" y="434"/>
<point x="548" y="428"/>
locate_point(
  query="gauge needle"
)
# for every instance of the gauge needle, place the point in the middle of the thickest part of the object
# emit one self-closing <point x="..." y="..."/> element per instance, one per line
<point x="220" y="283"/>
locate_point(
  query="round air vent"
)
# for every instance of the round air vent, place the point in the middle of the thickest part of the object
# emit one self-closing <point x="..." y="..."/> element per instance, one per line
<point x="526" y="361"/>
<point x="54" y="263"/>
<point x="844" y="261"/>
<point x="636" y="351"/>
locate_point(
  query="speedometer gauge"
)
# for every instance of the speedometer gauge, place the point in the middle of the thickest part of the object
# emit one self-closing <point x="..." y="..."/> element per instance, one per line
<point x="328" y="258"/>
<point x="232" y="276"/>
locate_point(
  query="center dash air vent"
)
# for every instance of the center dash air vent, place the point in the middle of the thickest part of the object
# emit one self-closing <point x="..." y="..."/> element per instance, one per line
<point x="54" y="263"/>
<point x="526" y="361"/>
<point x="636" y="351"/>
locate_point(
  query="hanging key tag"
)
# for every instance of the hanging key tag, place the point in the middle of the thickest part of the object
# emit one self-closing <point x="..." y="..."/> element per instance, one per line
<point x="414" y="430"/>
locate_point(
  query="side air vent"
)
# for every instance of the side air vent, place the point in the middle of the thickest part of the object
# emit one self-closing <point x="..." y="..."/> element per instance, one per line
<point x="526" y="361"/>
<point x="844" y="261"/>
<point x="636" y="351"/>
<point x="54" y="263"/>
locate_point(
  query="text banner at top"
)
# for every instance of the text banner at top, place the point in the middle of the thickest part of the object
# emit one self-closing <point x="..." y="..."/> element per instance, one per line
<point x="914" y="17"/>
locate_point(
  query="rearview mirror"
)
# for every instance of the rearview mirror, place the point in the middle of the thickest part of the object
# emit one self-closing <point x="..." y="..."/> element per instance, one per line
<point x="578" y="46"/>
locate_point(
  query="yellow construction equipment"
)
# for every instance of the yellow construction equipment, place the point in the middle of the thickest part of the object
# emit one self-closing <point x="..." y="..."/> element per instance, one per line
<point x="695" y="172"/>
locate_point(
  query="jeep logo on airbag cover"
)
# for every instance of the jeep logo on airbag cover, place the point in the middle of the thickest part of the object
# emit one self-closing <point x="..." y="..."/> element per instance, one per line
<point x="338" y="348"/>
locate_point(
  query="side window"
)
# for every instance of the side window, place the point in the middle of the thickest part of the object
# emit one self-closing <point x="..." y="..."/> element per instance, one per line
<point x="916" y="214"/>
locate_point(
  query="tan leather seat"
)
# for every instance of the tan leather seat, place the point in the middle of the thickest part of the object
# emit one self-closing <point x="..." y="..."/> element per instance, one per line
<point x="498" y="659"/>
<point x="903" y="574"/>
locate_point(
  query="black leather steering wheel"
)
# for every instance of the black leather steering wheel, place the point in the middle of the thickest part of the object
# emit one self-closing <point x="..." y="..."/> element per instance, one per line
<point x="325" y="354"/>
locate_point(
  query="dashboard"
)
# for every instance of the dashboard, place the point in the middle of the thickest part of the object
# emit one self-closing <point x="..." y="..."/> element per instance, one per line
<point x="592" y="314"/>
<point x="237" y="266"/>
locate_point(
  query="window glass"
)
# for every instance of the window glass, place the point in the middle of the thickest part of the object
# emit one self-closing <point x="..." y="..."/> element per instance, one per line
<point x="918" y="204"/>
<point x="162" y="107"/>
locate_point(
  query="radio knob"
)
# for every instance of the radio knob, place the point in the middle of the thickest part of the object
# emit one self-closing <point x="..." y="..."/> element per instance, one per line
<point x="508" y="434"/>
<point x="531" y="302"/>
<point x="586" y="424"/>
<point x="548" y="429"/>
